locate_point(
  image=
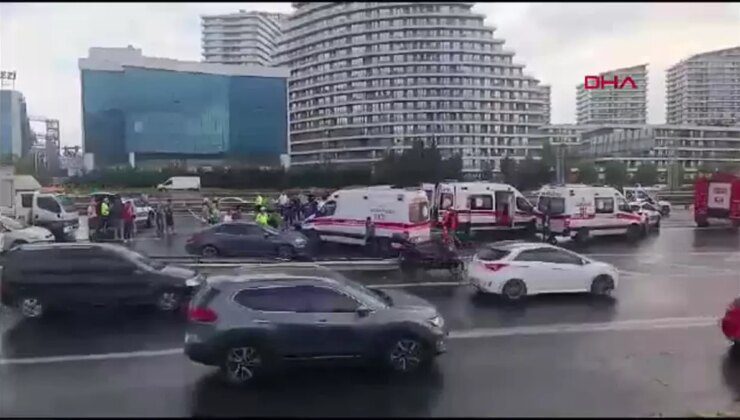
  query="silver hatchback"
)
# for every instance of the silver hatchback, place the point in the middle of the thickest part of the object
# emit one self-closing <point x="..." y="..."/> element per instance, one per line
<point x="252" y="323"/>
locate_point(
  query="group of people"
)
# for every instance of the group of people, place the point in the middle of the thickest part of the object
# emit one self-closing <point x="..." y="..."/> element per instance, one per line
<point x="113" y="214"/>
<point x="297" y="208"/>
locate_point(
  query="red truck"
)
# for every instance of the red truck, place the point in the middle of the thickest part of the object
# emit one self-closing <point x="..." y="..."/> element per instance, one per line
<point x="717" y="197"/>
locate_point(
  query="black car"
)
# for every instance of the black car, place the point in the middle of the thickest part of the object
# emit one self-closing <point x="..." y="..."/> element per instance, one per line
<point x="246" y="239"/>
<point x="39" y="277"/>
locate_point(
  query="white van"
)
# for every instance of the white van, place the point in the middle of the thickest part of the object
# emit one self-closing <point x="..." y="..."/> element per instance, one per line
<point x="341" y="218"/>
<point x="180" y="183"/>
<point x="581" y="211"/>
<point x="485" y="205"/>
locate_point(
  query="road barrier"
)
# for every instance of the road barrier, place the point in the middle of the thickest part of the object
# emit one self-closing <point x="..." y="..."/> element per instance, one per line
<point x="356" y="264"/>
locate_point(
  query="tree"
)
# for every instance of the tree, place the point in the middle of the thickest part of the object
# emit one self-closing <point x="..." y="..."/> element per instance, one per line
<point x="416" y="165"/>
<point x="615" y="174"/>
<point x="587" y="173"/>
<point x="529" y="174"/>
<point x="646" y="174"/>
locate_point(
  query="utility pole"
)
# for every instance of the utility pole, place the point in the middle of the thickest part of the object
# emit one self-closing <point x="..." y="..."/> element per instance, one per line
<point x="560" y="163"/>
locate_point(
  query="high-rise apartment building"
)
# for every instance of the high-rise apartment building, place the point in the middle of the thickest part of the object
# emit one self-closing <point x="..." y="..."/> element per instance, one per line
<point x="16" y="137"/>
<point x="704" y="89"/>
<point x="546" y="90"/>
<point x="246" y="38"/>
<point x="367" y="78"/>
<point x="613" y="97"/>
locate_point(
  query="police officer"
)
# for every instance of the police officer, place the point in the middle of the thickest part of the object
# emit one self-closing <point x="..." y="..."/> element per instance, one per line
<point x="259" y="202"/>
<point x="261" y="218"/>
<point x="105" y="213"/>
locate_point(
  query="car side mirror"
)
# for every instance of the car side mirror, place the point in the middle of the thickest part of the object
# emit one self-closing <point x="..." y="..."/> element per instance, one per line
<point x="363" y="311"/>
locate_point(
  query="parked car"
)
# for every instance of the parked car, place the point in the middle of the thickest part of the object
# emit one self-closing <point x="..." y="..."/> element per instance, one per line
<point x="247" y="239"/>
<point x="731" y="322"/>
<point x="651" y="213"/>
<point x="250" y="323"/>
<point x="15" y="233"/>
<point x="144" y="212"/>
<point x="40" y="277"/>
<point x="518" y="269"/>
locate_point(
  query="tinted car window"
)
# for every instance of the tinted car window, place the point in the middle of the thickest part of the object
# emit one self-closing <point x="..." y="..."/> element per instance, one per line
<point x="523" y="204"/>
<point x="322" y="299"/>
<point x="49" y="204"/>
<point x="533" y="255"/>
<point x="275" y="299"/>
<point x="560" y="257"/>
<point x="491" y="254"/>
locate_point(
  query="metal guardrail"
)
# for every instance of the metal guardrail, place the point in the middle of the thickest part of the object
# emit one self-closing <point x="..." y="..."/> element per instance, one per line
<point x="356" y="264"/>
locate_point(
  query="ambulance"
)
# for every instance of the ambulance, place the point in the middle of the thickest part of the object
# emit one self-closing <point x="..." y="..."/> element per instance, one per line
<point x="581" y="211"/>
<point x="394" y="211"/>
<point x="484" y="206"/>
<point x="717" y="198"/>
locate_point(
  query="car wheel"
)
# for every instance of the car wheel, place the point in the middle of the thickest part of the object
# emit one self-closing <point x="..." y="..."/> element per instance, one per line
<point x="168" y="301"/>
<point x="582" y="236"/>
<point x="633" y="233"/>
<point x="514" y="290"/>
<point x="31" y="307"/>
<point x="602" y="285"/>
<point x="16" y="243"/>
<point x="242" y="364"/>
<point x="285" y="253"/>
<point x="407" y="354"/>
<point x="383" y="247"/>
<point x="209" y="251"/>
<point x="702" y="223"/>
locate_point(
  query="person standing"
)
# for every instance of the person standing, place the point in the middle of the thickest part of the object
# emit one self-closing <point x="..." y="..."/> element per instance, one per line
<point x="169" y="217"/>
<point x="105" y="214"/>
<point x="261" y="217"/>
<point x="129" y="218"/>
<point x="258" y="202"/>
<point x="159" y="218"/>
<point x="205" y="211"/>
<point x="116" y="216"/>
<point x="237" y="213"/>
<point x="370" y="242"/>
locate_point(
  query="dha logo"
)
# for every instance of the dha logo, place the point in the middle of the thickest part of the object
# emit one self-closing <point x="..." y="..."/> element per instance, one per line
<point x="599" y="82"/>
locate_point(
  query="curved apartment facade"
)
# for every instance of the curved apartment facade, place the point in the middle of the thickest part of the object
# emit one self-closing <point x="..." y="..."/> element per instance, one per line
<point x="371" y="77"/>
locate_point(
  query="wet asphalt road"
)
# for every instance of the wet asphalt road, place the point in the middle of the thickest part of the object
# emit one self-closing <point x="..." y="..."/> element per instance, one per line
<point x="654" y="349"/>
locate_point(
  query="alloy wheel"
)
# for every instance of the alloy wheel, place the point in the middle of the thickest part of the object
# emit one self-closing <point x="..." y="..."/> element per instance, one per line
<point x="167" y="301"/>
<point x="406" y="355"/>
<point x="31" y="308"/>
<point x="242" y="363"/>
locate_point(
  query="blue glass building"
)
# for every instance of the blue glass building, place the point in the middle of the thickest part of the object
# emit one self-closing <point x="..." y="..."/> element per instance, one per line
<point x="161" y="109"/>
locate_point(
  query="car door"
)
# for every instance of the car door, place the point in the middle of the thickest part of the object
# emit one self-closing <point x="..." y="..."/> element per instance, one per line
<point x="281" y="312"/>
<point x="342" y="331"/>
<point x="537" y="271"/>
<point x="115" y="280"/>
<point x="240" y="239"/>
<point x="568" y="272"/>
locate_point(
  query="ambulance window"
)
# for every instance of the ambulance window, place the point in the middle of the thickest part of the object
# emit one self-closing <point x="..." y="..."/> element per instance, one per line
<point x="523" y="204"/>
<point x="418" y="212"/>
<point x="481" y="202"/>
<point x="329" y="208"/>
<point x="446" y="201"/>
<point x="604" y="205"/>
<point x="557" y="204"/>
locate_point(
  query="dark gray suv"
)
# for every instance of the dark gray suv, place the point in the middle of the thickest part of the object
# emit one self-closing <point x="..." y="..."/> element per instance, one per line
<point x="252" y="323"/>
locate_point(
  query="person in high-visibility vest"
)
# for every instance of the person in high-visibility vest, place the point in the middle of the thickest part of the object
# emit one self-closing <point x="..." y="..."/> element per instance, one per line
<point x="104" y="213"/>
<point x="258" y="202"/>
<point x="261" y="218"/>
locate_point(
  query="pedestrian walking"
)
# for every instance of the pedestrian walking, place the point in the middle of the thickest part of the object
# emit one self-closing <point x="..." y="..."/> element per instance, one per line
<point x="129" y="218"/>
<point x="169" y="217"/>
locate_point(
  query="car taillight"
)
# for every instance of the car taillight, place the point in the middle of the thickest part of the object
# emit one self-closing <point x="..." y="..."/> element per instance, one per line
<point x="495" y="266"/>
<point x="204" y="315"/>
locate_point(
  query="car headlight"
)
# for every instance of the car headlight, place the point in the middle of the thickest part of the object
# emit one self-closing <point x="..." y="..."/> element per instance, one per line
<point x="437" y="321"/>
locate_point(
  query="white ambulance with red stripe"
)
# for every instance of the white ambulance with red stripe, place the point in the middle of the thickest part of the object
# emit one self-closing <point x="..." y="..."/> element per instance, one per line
<point x="582" y="211"/>
<point x="485" y="206"/>
<point x="394" y="211"/>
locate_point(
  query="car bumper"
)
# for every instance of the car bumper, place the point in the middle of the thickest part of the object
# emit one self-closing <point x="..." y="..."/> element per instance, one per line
<point x="200" y="352"/>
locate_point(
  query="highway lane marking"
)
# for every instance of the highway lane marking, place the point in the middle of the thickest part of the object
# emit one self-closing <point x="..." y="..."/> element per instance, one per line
<point x="630" y="325"/>
<point x="627" y="325"/>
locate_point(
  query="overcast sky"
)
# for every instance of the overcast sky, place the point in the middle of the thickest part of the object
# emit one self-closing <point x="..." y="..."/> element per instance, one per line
<point x="558" y="42"/>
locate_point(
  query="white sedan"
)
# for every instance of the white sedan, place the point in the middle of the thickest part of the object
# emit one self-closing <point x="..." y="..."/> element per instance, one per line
<point x="518" y="269"/>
